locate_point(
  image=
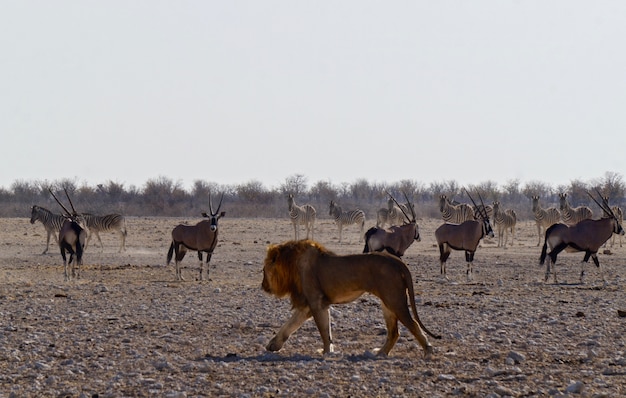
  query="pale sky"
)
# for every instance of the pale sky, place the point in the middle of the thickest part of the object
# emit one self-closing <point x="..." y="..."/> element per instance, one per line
<point x="234" y="91"/>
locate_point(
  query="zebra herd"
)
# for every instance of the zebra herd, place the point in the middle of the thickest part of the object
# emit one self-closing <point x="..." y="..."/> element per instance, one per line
<point x="504" y="220"/>
<point x="95" y="224"/>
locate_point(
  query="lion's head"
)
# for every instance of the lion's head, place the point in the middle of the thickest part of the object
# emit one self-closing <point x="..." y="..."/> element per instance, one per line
<point x="281" y="272"/>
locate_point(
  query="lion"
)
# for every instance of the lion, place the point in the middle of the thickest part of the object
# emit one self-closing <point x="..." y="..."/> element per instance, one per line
<point x="315" y="278"/>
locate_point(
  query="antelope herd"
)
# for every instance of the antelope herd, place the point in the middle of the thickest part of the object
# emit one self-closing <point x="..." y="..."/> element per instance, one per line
<point x="463" y="227"/>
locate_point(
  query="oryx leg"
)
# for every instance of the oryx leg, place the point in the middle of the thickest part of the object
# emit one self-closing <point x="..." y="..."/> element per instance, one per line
<point x="596" y="261"/>
<point x="469" y="258"/>
<point x="298" y="317"/>
<point x="444" y="253"/>
<point x="179" y="254"/>
<point x="201" y="264"/>
<point x="65" y="270"/>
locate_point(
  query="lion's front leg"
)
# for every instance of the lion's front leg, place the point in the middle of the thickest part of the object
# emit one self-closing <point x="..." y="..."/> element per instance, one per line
<point x="297" y="319"/>
<point x="322" y="320"/>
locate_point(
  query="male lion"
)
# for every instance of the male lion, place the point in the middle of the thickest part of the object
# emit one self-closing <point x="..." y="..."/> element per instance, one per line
<point x="315" y="278"/>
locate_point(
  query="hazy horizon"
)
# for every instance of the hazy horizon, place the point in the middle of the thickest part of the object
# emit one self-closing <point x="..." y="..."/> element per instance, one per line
<point x="230" y="92"/>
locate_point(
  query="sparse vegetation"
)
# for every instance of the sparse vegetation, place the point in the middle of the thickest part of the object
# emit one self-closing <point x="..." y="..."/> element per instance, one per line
<point x="163" y="196"/>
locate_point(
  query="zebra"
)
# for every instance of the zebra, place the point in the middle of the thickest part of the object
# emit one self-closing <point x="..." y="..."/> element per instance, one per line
<point x="396" y="213"/>
<point x="544" y="217"/>
<point x="51" y="221"/>
<point x="382" y="217"/>
<point x="301" y="215"/>
<point x="480" y="209"/>
<point x="504" y="221"/>
<point x="342" y="218"/>
<point x="106" y="223"/>
<point x="571" y="216"/>
<point x="455" y="214"/>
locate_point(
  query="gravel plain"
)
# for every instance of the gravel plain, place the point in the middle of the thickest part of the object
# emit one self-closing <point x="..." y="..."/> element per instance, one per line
<point x="127" y="328"/>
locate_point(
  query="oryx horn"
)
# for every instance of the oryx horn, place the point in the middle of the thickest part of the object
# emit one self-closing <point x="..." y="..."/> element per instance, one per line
<point x="408" y="203"/>
<point x="59" y="202"/>
<point x="71" y="204"/>
<point x="604" y="206"/>
<point x="398" y="204"/>
<point x="218" y="206"/>
<point x="472" y="199"/>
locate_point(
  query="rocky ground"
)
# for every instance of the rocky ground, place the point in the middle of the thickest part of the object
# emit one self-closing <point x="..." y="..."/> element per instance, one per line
<point x="127" y="328"/>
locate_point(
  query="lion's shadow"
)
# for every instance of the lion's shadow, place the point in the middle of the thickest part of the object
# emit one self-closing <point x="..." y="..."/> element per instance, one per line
<point x="272" y="357"/>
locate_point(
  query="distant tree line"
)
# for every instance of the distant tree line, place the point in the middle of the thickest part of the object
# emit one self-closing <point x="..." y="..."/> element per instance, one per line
<point x="163" y="196"/>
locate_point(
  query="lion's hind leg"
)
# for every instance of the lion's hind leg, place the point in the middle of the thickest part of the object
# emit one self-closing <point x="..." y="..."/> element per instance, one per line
<point x="391" y="320"/>
<point x="297" y="319"/>
<point x="415" y="329"/>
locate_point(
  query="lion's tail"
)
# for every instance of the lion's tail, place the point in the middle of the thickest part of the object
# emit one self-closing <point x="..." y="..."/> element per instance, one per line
<point x="411" y="292"/>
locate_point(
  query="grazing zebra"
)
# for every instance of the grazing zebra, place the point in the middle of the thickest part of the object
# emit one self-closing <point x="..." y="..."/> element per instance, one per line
<point x="109" y="222"/>
<point x="301" y="215"/>
<point x="504" y="221"/>
<point x="544" y="217"/>
<point x="52" y="222"/>
<point x="455" y="214"/>
<point x="346" y="218"/>
<point x="571" y="216"/>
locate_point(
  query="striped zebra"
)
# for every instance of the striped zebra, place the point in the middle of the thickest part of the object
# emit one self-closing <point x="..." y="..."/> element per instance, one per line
<point x="347" y="218"/>
<point x="482" y="209"/>
<point x="382" y="217"/>
<point x="504" y="221"/>
<point x="455" y="214"/>
<point x="544" y="217"/>
<point x="51" y="222"/>
<point x="107" y="223"/>
<point x="573" y="215"/>
<point x="396" y="215"/>
<point x="301" y="215"/>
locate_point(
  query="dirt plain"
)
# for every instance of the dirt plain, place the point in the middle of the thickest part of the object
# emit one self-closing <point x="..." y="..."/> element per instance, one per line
<point x="127" y="328"/>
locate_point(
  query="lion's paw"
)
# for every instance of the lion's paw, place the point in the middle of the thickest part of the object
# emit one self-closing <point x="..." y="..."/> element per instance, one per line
<point x="274" y="345"/>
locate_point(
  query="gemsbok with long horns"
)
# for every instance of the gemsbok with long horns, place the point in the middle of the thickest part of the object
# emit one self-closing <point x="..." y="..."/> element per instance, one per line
<point x="71" y="238"/>
<point x="395" y="239"/>
<point x="573" y="215"/>
<point x="464" y="236"/>
<point x="586" y="236"/>
<point x="544" y="218"/>
<point x="201" y="237"/>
